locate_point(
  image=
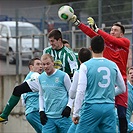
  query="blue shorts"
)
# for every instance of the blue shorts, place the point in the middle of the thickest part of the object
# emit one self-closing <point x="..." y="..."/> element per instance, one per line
<point x="34" y="119"/>
<point x="72" y="128"/>
<point x="57" y="125"/>
<point x="94" y="116"/>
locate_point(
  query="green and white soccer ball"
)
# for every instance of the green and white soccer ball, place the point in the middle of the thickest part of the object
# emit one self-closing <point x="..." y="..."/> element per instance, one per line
<point x="65" y="12"/>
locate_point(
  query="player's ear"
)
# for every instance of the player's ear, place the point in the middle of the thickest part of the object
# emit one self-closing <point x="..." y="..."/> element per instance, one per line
<point x="30" y="67"/>
<point x="60" y="39"/>
<point x="90" y="48"/>
<point x="121" y="34"/>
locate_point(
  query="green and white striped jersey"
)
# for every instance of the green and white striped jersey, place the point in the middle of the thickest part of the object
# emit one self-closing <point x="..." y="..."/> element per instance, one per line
<point x="64" y="59"/>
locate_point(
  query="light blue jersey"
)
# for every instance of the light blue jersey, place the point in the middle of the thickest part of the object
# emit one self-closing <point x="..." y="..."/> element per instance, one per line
<point x="55" y="93"/>
<point x="31" y="102"/>
<point x="130" y="107"/>
<point x="96" y="89"/>
<point x="31" y="99"/>
<point x="101" y="75"/>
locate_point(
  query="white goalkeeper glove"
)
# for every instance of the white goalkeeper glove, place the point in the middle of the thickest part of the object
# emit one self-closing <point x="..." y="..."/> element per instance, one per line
<point x="74" y="20"/>
<point x="92" y="24"/>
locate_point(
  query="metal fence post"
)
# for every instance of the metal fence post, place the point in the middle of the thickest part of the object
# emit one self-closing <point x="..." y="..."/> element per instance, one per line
<point x="73" y="38"/>
<point x="7" y="52"/>
<point x="100" y="13"/>
<point x="17" y="49"/>
<point x="20" y="54"/>
<point x="33" y="44"/>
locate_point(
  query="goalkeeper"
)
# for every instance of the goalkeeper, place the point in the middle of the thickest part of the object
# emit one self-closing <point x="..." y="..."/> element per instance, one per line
<point x="116" y="49"/>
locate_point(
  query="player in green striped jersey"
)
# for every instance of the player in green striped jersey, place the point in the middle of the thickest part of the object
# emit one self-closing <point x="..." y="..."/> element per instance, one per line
<point x="64" y="58"/>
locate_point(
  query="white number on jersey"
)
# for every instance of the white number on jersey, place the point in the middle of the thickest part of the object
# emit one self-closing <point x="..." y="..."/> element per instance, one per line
<point x="106" y="77"/>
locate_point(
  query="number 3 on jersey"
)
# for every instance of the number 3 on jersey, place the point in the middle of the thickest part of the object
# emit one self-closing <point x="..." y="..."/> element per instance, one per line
<point x="105" y="77"/>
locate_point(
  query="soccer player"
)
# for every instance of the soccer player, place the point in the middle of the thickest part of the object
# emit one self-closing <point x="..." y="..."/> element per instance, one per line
<point x="30" y="100"/>
<point x="64" y="58"/>
<point x="116" y="49"/>
<point x="96" y="92"/>
<point x="55" y="105"/>
<point x="130" y="99"/>
<point x="84" y="54"/>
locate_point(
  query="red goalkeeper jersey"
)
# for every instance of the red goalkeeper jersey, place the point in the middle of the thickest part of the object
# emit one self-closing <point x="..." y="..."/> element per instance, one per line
<point x="116" y="49"/>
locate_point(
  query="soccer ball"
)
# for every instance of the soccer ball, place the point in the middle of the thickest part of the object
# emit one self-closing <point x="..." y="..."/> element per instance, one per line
<point x="65" y="12"/>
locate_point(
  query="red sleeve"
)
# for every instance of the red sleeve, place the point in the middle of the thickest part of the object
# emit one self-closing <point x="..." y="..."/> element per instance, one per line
<point x="120" y="42"/>
<point x="87" y="30"/>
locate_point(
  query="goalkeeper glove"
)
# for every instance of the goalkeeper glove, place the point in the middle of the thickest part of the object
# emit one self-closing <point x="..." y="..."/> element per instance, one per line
<point x="92" y="24"/>
<point x="66" y="112"/>
<point x="74" y="20"/>
<point x="43" y="117"/>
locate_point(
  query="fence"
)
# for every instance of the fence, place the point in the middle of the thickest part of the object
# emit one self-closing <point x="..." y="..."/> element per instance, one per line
<point x="45" y="16"/>
<point x="76" y="38"/>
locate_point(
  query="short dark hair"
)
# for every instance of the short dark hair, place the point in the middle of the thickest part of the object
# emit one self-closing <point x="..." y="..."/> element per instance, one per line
<point x="55" y="33"/>
<point x="31" y="62"/>
<point x="121" y="27"/>
<point x="97" y="44"/>
<point x="84" y="54"/>
<point x="65" y="41"/>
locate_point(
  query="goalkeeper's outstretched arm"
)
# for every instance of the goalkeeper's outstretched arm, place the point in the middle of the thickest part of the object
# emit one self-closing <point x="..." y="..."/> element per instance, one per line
<point x="90" y="21"/>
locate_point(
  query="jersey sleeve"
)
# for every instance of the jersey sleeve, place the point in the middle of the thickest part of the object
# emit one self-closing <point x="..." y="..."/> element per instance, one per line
<point x="67" y="83"/>
<point x="44" y="51"/>
<point x="34" y="76"/>
<point x="41" y="100"/>
<point x="82" y="83"/>
<point x="73" y="88"/>
<point x="72" y="62"/>
<point x="47" y="50"/>
<point x="87" y="30"/>
<point x="120" y="88"/>
<point x="34" y="82"/>
<point x="23" y="101"/>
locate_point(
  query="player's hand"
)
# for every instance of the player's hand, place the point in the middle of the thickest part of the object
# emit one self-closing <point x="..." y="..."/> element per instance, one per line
<point x="75" y="120"/>
<point x="74" y="20"/>
<point x="66" y="112"/>
<point x="92" y="24"/>
<point x="43" y="117"/>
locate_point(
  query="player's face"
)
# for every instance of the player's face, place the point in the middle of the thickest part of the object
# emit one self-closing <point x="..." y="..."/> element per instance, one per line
<point x="130" y="75"/>
<point x="48" y="66"/>
<point x="54" y="43"/>
<point x="37" y="67"/>
<point x="116" y="31"/>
